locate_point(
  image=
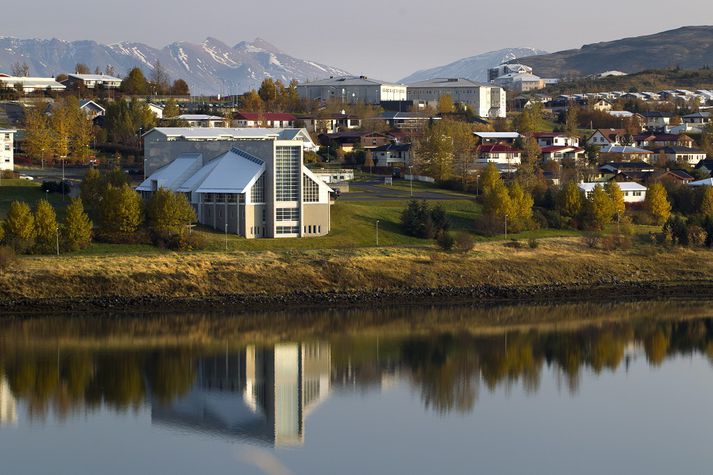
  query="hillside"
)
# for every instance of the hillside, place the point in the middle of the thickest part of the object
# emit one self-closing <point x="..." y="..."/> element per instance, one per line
<point x="211" y="67"/>
<point x="474" y="68"/>
<point x="690" y="47"/>
<point x="651" y="80"/>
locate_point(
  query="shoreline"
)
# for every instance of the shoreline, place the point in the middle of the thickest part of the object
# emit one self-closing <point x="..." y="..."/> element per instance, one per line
<point x="478" y="295"/>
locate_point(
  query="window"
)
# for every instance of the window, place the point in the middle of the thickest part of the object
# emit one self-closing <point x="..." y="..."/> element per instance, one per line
<point x="310" y="190"/>
<point x="7" y="147"/>
<point x="257" y="193"/>
<point x="264" y="215"/>
<point x="287" y="168"/>
<point x="287" y="229"/>
<point x="319" y="229"/>
<point x="207" y="197"/>
<point x="287" y="214"/>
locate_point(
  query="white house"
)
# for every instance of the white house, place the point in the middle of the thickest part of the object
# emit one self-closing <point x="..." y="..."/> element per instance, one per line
<point x="7" y="158"/>
<point x="31" y="84"/>
<point x="676" y="153"/>
<point x="92" y="81"/>
<point x="267" y="119"/>
<point x="499" y="154"/>
<point x="556" y="139"/>
<point x="201" y="120"/>
<point x="392" y="154"/>
<point x="91" y="109"/>
<point x="558" y="153"/>
<point x="633" y="192"/>
<point x="156" y="110"/>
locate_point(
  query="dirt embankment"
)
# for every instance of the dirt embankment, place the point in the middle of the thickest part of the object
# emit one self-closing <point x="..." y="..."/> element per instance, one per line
<point x="557" y="269"/>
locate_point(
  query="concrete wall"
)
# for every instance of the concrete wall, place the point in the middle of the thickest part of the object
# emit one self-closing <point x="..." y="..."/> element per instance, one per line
<point x="316" y="215"/>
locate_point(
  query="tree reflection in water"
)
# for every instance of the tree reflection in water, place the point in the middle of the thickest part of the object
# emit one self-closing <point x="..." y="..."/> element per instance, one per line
<point x="447" y="368"/>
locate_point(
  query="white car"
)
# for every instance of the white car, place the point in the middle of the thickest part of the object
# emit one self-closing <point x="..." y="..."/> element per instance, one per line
<point x="26" y="177"/>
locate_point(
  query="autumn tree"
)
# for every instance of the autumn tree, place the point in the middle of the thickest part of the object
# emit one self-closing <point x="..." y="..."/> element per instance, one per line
<point x="135" y="83"/>
<point x="445" y="104"/>
<point x="463" y="149"/>
<point x="45" y="227"/>
<point x="160" y="82"/>
<point x="169" y="212"/>
<point x="251" y="102"/>
<point x="38" y="138"/>
<point x="77" y="228"/>
<point x="268" y="91"/>
<point x="489" y="177"/>
<point x="571" y="125"/>
<point x="617" y="197"/>
<point x="91" y="188"/>
<point x="171" y="109"/>
<point x="657" y="204"/>
<point x="521" y="208"/>
<point x="706" y="207"/>
<point x="19" y="227"/>
<point x="434" y="152"/>
<point x="569" y="200"/>
<point x="180" y="88"/>
<point x="119" y="209"/>
<point x="599" y="208"/>
<point x="530" y="120"/>
<point x="526" y="171"/>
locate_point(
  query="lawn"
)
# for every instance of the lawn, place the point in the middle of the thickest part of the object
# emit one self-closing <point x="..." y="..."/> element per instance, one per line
<point x="28" y="191"/>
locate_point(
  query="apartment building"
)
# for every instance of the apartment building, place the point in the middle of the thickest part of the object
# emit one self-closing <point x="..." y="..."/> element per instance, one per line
<point x="7" y="157"/>
<point x="352" y="90"/>
<point x="485" y="100"/>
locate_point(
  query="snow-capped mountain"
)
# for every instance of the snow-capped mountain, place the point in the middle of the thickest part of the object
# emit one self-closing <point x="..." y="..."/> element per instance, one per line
<point x="474" y="68"/>
<point x="211" y="67"/>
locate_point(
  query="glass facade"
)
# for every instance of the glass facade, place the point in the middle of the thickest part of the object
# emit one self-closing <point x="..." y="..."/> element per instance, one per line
<point x="310" y="190"/>
<point x="287" y="174"/>
<point x="257" y="193"/>
<point x="287" y="229"/>
<point x="287" y="214"/>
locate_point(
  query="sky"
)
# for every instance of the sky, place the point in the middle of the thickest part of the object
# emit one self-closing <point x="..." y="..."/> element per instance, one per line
<point x="385" y="39"/>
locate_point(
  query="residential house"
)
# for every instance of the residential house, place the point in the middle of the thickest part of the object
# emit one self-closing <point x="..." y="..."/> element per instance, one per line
<point x="663" y="140"/>
<point x="497" y="137"/>
<point x="705" y="165"/>
<point x="500" y="154"/>
<point x="352" y="90"/>
<point x="259" y="188"/>
<point x="605" y="137"/>
<point x="407" y="120"/>
<point x="675" y="175"/>
<point x="508" y="68"/>
<point x="558" y="153"/>
<point x="266" y="119"/>
<point x="201" y="120"/>
<point x="698" y="118"/>
<point x="392" y="155"/>
<point x="557" y="139"/>
<point x="91" y="109"/>
<point x="601" y="105"/>
<point x="349" y="141"/>
<point x="633" y="192"/>
<point x="7" y="149"/>
<point x="91" y="81"/>
<point x="657" y="121"/>
<point x="31" y="84"/>
<point x="484" y="100"/>
<point x="329" y="176"/>
<point x="635" y="171"/>
<point x="156" y="110"/>
<point x="330" y="123"/>
<point x="676" y="153"/>
<point x="624" y="153"/>
<point x="520" y="82"/>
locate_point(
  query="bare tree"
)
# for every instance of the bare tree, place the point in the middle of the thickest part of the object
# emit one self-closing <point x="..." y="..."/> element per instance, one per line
<point x="159" y="78"/>
<point x="20" y="69"/>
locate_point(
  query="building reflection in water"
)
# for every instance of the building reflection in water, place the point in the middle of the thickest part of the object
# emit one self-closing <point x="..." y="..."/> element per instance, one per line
<point x="262" y="394"/>
<point x="8" y="404"/>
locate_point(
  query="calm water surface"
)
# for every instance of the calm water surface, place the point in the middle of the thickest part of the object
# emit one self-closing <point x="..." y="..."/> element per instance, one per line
<point x="586" y="388"/>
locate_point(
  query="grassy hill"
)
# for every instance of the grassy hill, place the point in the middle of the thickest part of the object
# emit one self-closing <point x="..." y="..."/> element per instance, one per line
<point x="690" y="47"/>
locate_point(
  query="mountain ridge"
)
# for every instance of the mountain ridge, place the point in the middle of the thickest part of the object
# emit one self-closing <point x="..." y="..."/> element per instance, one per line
<point x="210" y="67"/>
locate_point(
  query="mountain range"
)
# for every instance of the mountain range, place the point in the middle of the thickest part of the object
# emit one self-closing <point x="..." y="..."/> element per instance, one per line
<point x="474" y="68"/>
<point x="211" y="67"/>
<point x="689" y="47"/>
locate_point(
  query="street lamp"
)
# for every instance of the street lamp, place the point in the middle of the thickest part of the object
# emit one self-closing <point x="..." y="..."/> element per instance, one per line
<point x="410" y="172"/>
<point x="58" y="240"/>
<point x="377" y="232"/>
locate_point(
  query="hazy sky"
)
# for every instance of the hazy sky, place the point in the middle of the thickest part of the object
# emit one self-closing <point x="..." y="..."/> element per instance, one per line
<point x="386" y="39"/>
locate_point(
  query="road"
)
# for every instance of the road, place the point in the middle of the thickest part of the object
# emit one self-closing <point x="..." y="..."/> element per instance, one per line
<point x="374" y="189"/>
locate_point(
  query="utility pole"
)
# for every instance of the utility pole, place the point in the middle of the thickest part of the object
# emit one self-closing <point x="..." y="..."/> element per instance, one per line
<point x="377" y="232"/>
<point x="58" y="240"/>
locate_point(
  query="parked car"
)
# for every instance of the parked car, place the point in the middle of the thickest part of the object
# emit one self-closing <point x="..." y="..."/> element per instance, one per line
<point x="26" y="177"/>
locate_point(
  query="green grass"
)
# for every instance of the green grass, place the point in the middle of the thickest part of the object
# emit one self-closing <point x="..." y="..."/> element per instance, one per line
<point x="354" y="225"/>
<point x="29" y="192"/>
<point x="405" y="185"/>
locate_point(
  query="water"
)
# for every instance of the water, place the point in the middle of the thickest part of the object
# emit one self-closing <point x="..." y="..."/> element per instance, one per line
<point x="585" y="388"/>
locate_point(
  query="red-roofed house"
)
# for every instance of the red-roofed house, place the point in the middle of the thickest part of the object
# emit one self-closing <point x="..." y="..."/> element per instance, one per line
<point x="276" y="120"/>
<point x="499" y="154"/>
<point x="604" y="137"/>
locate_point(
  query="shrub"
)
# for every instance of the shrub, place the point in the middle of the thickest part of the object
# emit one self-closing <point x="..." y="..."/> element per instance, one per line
<point x="514" y="243"/>
<point x="696" y="235"/>
<point x="177" y="241"/>
<point x="7" y="257"/>
<point x="613" y="242"/>
<point x="488" y="225"/>
<point x="445" y="240"/>
<point x="120" y="209"/>
<point x="118" y="237"/>
<point x="533" y="243"/>
<point x="45" y="227"/>
<point x="464" y="242"/>
<point x="169" y="212"/>
<point x="591" y="239"/>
